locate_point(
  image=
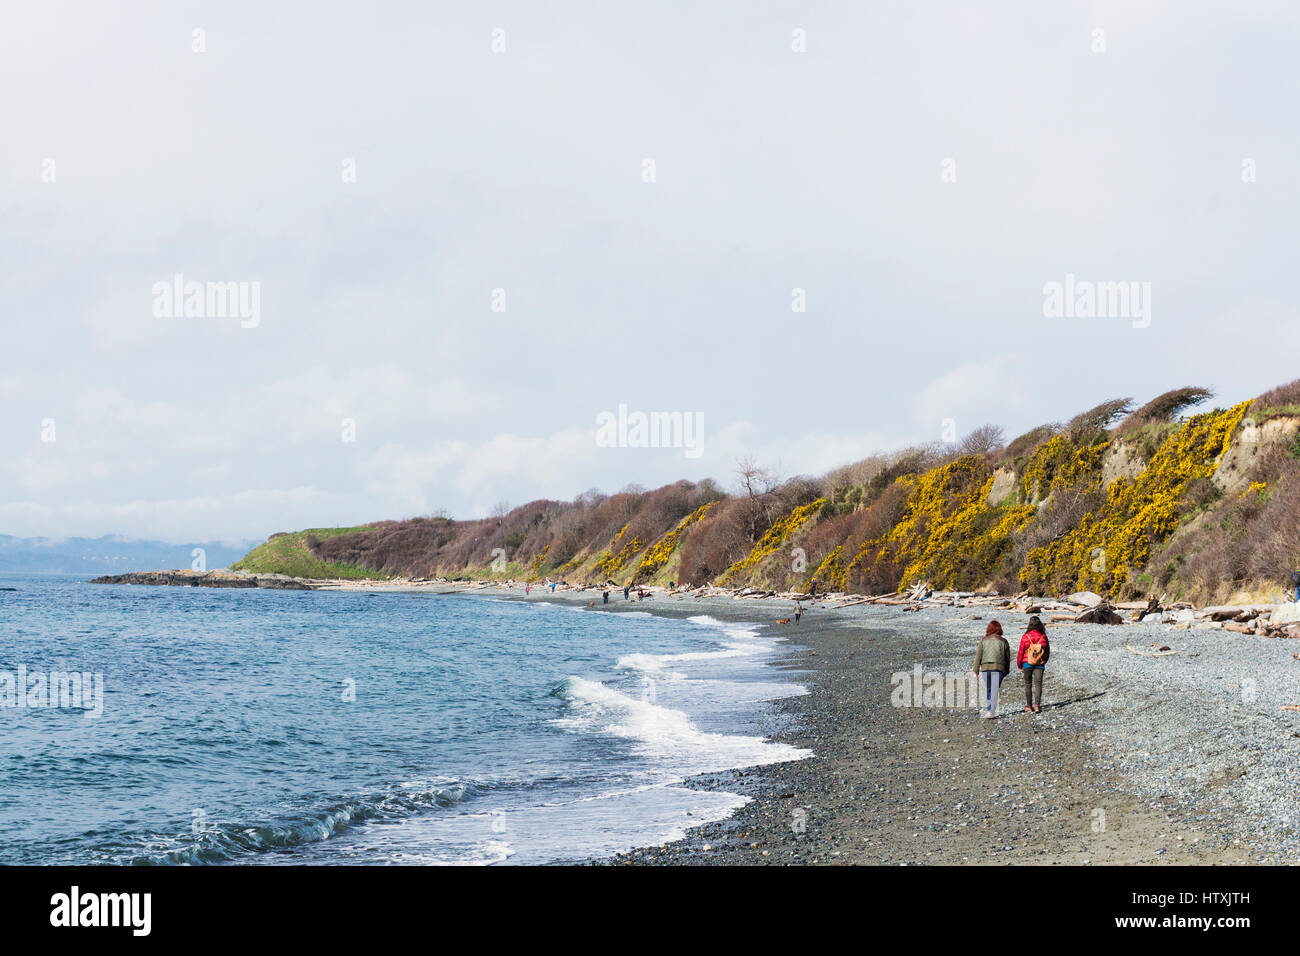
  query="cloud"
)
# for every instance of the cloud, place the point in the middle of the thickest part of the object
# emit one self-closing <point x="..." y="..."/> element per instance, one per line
<point x="974" y="394"/>
<point x="776" y="170"/>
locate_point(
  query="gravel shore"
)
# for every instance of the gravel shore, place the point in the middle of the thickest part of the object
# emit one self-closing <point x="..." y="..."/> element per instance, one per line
<point x="1169" y="760"/>
<point x="1184" y="758"/>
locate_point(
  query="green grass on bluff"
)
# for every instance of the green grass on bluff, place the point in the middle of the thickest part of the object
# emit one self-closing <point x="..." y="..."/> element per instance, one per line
<point x="289" y="554"/>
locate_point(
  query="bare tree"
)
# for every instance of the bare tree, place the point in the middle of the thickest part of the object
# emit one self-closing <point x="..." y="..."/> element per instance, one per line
<point x="982" y="441"/>
<point x="755" y="479"/>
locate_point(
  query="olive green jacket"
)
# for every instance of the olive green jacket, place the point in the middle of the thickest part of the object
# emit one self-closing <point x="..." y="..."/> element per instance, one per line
<point x="993" y="654"/>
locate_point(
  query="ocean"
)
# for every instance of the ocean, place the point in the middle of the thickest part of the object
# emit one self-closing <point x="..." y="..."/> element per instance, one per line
<point x="316" y="727"/>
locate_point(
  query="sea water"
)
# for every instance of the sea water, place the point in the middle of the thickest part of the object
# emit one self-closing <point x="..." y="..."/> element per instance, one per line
<point x="319" y="727"/>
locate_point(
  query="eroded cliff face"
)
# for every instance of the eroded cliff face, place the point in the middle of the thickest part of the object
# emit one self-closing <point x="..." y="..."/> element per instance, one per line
<point x="1004" y="484"/>
<point x="1122" y="460"/>
<point x="1253" y="441"/>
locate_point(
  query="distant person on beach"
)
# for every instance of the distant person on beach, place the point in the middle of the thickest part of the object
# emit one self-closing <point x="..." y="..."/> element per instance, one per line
<point x="605" y="597"/>
<point x="798" y="613"/>
<point x="992" y="664"/>
<point x="1295" y="579"/>
<point x="552" y="587"/>
<point x="1032" y="659"/>
<point x="812" y="590"/>
<point x="627" y="590"/>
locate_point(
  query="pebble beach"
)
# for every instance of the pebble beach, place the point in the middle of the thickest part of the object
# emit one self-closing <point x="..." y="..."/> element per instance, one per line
<point x="1182" y="758"/>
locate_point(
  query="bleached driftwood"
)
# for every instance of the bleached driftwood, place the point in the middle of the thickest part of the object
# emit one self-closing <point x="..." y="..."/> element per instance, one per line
<point x="1164" y="652"/>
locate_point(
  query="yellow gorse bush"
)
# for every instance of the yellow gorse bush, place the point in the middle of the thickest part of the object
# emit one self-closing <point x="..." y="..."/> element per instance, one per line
<point x="780" y="532"/>
<point x="657" y="556"/>
<point x="535" y="568"/>
<point x="950" y="536"/>
<point x="833" y="572"/>
<point x="611" y="560"/>
<point x="1104" y="548"/>
<point x="1059" y="463"/>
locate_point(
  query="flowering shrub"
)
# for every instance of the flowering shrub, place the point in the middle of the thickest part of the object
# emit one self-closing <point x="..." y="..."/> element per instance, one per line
<point x="657" y="556"/>
<point x="1105" y="547"/>
<point x="832" y="573"/>
<point x="1060" y="463"/>
<point x="611" y="560"/>
<point x="780" y="532"/>
<point x="535" y="568"/>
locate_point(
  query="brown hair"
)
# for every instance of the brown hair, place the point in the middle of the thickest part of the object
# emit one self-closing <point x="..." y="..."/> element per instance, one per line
<point x="993" y="628"/>
<point x="1036" y="625"/>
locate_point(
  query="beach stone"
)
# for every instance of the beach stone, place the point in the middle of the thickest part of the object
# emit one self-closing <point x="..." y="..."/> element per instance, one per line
<point x="1086" y="598"/>
<point x="1284" y="614"/>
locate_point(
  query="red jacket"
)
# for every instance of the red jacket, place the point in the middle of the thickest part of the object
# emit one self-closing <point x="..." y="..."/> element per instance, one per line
<point x="1033" y="637"/>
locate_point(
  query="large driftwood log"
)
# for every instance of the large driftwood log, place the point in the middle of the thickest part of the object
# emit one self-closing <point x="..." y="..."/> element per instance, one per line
<point x="1101" y="614"/>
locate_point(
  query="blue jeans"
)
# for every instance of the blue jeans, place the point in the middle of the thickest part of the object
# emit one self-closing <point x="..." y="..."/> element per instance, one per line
<point x="991" y="682"/>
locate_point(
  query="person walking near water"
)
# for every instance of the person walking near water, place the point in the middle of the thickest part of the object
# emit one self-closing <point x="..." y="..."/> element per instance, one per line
<point x="1032" y="659"/>
<point x="992" y="664"/>
<point x="798" y="613"/>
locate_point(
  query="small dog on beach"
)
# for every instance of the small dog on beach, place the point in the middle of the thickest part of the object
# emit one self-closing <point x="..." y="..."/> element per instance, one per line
<point x="784" y="620"/>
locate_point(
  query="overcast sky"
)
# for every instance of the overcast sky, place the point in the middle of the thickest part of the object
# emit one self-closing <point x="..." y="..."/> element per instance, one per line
<point x="920" y="170"/>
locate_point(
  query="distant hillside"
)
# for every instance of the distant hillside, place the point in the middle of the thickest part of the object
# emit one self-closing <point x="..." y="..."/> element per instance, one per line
<point x="106" y="554"/>
<point x="1120" y="500"/>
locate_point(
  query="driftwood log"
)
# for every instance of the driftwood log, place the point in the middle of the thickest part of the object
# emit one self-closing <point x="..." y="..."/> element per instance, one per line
<point x="1101" y="614"/>
<point x="1163" y="652"/>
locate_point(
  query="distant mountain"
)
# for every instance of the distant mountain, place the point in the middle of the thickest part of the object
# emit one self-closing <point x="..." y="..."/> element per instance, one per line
<point x="109" y="553"/>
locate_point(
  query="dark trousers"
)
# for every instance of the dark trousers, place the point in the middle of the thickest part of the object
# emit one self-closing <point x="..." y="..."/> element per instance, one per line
<point x="1033" y="686"/>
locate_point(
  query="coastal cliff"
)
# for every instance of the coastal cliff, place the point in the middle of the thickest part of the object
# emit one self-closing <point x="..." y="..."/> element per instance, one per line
<point x="1124" y="501"/>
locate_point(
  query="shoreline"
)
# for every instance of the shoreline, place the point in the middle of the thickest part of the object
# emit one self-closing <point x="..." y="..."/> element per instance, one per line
<point x="1102" y="777"/>
<point x="1182" y="758"/>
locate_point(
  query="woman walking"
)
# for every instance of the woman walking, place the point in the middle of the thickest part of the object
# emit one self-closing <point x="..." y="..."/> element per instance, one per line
<point x="992" y="663"/>
<point x="1032" y="659"/>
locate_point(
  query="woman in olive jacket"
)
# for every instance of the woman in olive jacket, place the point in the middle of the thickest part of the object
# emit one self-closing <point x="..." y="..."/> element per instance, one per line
<point x="992" y="663"/>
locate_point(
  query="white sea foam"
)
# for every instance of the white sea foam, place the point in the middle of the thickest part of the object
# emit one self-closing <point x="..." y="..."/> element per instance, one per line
<point x="665" y="733"/>
<point x="740" y="642"/>
<point x="659" y="663"/>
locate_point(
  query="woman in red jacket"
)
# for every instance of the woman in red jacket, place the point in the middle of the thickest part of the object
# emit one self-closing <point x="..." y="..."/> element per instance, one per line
<point x="1032" y="659"/>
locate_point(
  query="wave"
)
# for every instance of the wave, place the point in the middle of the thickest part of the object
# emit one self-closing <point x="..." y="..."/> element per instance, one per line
<point x="228" y="842"/>
<point x="662" y="732"/>
<point x="740" y="642"/>
<point x="737" y="630"/>
<point x="658" y="663"/>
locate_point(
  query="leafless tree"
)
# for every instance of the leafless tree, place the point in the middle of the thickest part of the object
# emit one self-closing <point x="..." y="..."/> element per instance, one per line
<point x="982" y="441"/>
<point x="755" y="480"/>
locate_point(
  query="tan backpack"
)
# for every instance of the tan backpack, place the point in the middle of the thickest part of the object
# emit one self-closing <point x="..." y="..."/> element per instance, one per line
<point x="1035" y="653"/>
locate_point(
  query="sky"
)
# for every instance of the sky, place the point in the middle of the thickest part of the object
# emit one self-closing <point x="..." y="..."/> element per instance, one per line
<point x="821" y="230"/>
